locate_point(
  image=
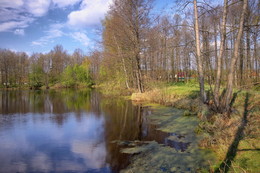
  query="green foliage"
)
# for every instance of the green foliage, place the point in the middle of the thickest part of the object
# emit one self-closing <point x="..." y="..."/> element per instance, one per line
<point x="36" y="77"/>
<point x="76" y="75"/>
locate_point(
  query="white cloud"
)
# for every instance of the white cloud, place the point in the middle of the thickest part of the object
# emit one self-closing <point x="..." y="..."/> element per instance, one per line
<point x="38" y="7"/>
<point x="90" y="13"/>
<point x="7" y="26"/>
<point x="64" y="3"/>
<point x="54" y="32"/>
<point x="18" y="14"/>
<point x="12" y="3"/>
<point x="81" y="37"/>
<point x="19" y="32"/>
<point x="7" y="14"/>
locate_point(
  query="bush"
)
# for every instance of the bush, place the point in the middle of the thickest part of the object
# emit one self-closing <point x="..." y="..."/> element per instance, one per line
<point x="76" y="75"/>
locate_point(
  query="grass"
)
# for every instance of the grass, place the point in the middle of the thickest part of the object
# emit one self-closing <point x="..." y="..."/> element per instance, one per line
<point x="235" y="139"/>
<point x="248" y="155"/>
<point x="235" y="145"/>
<point x="226" y="136"/>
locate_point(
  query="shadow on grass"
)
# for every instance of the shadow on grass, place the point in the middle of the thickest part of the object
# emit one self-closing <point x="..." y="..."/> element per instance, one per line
<point x="257" y="149"/>
<point x="232" y="151"/>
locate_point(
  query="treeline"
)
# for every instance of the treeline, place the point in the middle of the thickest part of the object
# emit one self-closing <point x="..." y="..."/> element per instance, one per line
<point x="143" y="48"/>
<point x="217" y="44"/>
<point x="57" y="67"/>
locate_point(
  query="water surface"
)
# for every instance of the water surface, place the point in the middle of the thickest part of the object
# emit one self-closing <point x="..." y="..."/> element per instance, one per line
<point x="69" y="131"/>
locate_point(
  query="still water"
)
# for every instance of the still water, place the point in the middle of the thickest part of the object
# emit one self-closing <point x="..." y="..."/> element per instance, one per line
<point x="69" y="131"/>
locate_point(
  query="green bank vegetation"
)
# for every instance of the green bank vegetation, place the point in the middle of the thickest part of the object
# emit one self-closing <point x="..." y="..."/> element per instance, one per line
<point x="234" y="139"/>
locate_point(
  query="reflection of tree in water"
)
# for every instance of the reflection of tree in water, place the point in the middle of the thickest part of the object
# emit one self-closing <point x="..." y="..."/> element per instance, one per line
<point x="56" y="103"/>
<point x="121" y="120"/>
<point x="125" y="122"/>
<point x="9" y="103"/>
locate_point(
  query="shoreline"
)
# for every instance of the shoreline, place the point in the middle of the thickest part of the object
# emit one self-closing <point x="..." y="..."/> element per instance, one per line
<point x="223" y="134"/>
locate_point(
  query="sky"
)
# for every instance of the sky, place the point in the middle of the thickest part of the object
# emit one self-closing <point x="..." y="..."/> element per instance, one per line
<point x="38" y="25"/>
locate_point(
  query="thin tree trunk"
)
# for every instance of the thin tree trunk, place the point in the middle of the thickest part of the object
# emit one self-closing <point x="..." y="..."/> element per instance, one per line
<point x="248" y="54"/>
<point x="256" y="57"/>
<point x="123" y="63"/>
<point x="230" y="82"/>
<point x="241" y="65"/>
<point x="220" y="57"/>
<point x="199" y="57"/>
<point x="139" y="75"/>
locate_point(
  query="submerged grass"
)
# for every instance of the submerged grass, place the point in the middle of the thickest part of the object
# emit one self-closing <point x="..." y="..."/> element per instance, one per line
<point x="184" y="155"/>
<point x="158" y="158"/>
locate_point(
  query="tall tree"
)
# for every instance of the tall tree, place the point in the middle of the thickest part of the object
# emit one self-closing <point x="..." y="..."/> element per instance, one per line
<point x="134" y="17"/>
<point x="231" y="72"/>
<point x="220" y="56"/>
<point x="198" y="54"/>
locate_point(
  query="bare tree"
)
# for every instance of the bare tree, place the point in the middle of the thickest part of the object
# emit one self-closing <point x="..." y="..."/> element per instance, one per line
<point x="220" y="56"/>
<point x="230" y="80"/>
<point x="198" y="54"/>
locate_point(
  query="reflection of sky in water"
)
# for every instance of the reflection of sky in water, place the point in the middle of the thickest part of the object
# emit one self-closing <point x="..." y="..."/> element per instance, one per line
<point x="34" y="142"/>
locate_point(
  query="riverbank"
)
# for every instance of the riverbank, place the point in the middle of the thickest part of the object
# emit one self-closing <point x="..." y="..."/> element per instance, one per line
<point x="234" y="140"/>
<point x="51" y="86"/>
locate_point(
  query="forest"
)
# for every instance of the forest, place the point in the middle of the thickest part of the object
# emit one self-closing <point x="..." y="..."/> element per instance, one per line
<point x="216" y="45"/>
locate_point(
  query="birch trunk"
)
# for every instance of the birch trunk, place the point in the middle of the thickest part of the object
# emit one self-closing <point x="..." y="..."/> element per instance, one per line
<point x="220" y="57"/>
<point x="229" y="88"/>
<point x="198" y="52"/>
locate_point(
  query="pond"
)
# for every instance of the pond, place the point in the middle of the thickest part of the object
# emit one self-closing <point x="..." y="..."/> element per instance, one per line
<point x="75" y="131"/>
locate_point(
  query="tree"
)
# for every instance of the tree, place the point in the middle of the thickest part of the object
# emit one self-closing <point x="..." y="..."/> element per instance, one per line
<point x="36" y="76"/>
<point x="134" y="19"/>
<point x="230" y="80"/>
<point x="59" y="60"/>
<point x="198" y="54"/>
<point x="220" y="57"/>
<point x="76" y="75"/>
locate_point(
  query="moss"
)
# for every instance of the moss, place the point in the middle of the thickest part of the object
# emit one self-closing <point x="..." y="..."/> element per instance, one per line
<point x="180" y="153"/>
<point x="158" y="158"/>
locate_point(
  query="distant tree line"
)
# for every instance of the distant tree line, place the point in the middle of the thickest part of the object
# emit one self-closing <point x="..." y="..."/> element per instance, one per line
<point x="17" y="69"/>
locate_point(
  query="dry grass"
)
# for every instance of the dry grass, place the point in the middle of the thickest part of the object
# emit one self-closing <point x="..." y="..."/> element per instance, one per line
<point x="222" y="133"/>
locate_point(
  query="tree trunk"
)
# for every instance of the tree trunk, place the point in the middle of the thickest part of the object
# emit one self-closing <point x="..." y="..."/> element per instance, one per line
<point x="123" y="63"/>
<point x="220" y="57"/>
<point x="139" y="75"/>
<point x="230" y="82"/>
<point x="199" y="57"/>
<point x="255" y="56"/>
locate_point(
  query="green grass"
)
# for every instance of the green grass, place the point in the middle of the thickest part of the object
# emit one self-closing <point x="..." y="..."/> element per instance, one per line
<point x="182" y="89"/>
<point x="247" y="158"/>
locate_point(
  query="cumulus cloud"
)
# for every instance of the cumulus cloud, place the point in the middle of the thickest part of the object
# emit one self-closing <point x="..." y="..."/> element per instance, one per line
<point x="38" y="7"/>
<point x="81" y="37"/>
<point x="17" y="14"/>
<point x="90" y="13"/>
<point x="55" y="31"/>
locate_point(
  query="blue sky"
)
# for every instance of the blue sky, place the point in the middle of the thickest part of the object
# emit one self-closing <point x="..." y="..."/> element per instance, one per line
<point x="39" y="25"/>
